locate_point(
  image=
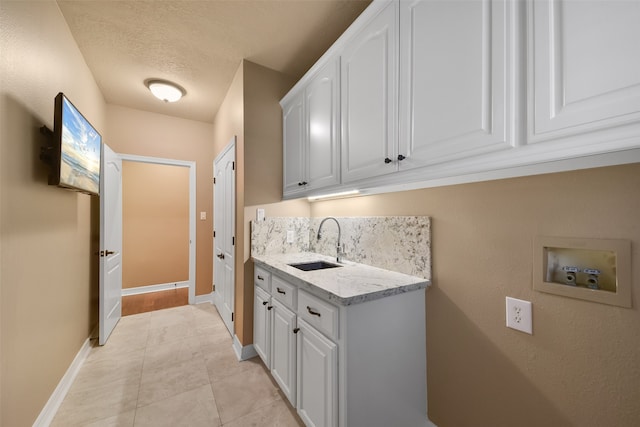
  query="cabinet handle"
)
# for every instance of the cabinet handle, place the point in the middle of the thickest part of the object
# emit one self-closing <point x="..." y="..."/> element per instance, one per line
<point x="260" y="278"/>
<point x="387" y="160"/>
<point x="280" y="291"/>
<point x="265" y="302"/>
<point x="312" y="312"/>
<point x="296" y="330"/>
<point x="302" y="183"/>
<point x="401" y="157"/>
<point x="220" y="255"/>
<point x="270" y="307"/>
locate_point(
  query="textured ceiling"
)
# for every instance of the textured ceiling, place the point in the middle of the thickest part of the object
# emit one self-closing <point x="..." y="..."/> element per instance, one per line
<point x="199" y="44"/>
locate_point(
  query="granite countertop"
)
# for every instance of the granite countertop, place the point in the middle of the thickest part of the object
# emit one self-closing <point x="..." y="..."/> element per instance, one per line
<point x="352" y="283"/>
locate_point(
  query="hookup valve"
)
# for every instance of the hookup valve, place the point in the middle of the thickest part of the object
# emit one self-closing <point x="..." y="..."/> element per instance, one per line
<point x="592" y="279"/>
<point x="570" y="277"/>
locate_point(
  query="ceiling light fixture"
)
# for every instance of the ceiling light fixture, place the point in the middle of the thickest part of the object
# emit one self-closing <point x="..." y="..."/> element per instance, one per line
<point x="165" y="90"/>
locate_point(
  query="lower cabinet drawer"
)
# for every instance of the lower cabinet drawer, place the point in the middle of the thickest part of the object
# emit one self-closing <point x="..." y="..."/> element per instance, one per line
<point x="284" y="292"/>
<point x="318" y="313"/>
<point x="262" y="278"/>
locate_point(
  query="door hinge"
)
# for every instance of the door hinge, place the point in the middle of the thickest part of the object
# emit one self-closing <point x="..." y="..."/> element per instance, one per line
<point x="232" y="316"/>
<point x="233" y="241"/>
<point x="233" y="165"/>
<point x="214" y="233"/>
<point x="214" y="180"/>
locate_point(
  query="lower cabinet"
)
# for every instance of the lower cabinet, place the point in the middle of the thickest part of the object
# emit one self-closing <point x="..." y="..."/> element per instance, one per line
<point x="261" y="325"/>
<point x="283" y="349"/>
<point x="348" y="366"/>
<point x="317" y="377"/>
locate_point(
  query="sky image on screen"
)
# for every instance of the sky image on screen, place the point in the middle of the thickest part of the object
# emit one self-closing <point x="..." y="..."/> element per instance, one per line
<point x="80" y="163"/>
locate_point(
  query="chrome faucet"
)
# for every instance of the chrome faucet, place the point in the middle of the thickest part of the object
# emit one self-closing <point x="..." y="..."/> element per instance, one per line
<point x="339" y="251"/>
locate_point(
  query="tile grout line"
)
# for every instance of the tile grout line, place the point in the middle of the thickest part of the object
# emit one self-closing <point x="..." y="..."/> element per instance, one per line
<point x="144" y="358"/>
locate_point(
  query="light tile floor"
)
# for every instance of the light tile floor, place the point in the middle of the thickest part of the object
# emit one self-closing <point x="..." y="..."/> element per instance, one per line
<point x="173" y="367"/>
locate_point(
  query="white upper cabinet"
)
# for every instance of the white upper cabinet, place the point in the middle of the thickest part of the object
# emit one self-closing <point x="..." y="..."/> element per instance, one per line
<point x="455" y="80"/>
<point x="369" y="98"/>
<point x="584" y="66"/>
<point x="293" y="132"/>
<point x="310" y="129"/>
<point x="322" y="101"/>
<point x="434" y="92"/>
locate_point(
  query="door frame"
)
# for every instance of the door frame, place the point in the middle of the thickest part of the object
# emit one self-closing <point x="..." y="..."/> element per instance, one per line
<point x="192" y="209"/>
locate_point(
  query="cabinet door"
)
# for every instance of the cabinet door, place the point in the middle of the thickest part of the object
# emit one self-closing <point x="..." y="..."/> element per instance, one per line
<point x="317" y="378"/>
<point x="293" y="133"/>
<point x="261" y="325"/>
<point x="455" y="79"/>
<point x="369" y="98"/>
<point x="283" y="349"/>
<point x="584" y="67"/>
<point x="322" y="100"/>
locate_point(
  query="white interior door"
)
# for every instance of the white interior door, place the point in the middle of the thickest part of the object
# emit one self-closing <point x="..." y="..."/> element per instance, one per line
<point x="224" y="200"/>
<point x="110" y="243"/>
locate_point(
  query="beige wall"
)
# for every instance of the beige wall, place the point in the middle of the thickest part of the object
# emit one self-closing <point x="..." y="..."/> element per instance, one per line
<point x="581" y="366"/>
<point x="251" y="111"/>
<point x="229" y="122"/>
<point x="48" y="274"/>
<point x="155" y="235"/>
<point x="155" y="135"/>
<point x="263" y="89"/>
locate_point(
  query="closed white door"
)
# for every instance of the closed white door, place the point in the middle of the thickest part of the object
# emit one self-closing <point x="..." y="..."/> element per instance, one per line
<point x="224" y="237"/>
<point x="283" y="349"/>
<point x="110" y="304"/>
<point x="369" y="98"/>
<point x="317" y="397"/>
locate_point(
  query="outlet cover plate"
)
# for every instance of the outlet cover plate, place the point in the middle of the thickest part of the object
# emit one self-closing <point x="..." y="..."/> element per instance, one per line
<point x="519" y="315"/>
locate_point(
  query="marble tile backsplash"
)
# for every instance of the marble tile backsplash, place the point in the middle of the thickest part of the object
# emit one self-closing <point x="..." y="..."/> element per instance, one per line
<point x="270" y="236"/>
<point x="396" y="243"/>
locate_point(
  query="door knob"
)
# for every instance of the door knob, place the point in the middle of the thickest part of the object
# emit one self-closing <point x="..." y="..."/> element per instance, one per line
<point x="106" y="253"/>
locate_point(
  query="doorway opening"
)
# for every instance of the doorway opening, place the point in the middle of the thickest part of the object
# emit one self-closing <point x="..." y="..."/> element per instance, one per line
<point x="158" y="233"/>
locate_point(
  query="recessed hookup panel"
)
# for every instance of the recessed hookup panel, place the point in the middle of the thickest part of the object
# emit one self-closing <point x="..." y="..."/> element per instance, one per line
<point x="597" y="270"/>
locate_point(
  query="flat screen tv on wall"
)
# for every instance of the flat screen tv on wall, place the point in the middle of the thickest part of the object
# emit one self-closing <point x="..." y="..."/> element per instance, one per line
<point x="76" y="150"/>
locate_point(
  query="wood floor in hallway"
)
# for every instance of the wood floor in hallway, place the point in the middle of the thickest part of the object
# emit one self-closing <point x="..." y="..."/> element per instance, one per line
<point x="152" y="301"/>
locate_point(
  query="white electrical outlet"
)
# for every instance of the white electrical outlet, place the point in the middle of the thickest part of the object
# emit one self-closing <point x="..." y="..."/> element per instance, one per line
<point x="519" y="315"/>
<point x="290" y="236"/>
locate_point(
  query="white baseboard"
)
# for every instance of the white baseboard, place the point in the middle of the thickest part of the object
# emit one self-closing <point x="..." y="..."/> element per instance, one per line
<point x="200" y="299"/>
<point x="154" y="288"/>
<point x="53" y="404"/>
<point x="243" y="353"/>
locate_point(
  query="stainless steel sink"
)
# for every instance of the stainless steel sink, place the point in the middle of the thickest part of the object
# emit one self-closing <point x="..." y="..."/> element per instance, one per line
<point x="314" y="265"/>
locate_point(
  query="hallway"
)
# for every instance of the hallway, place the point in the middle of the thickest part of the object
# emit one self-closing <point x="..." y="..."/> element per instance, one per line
<point x="173" y="367"/>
